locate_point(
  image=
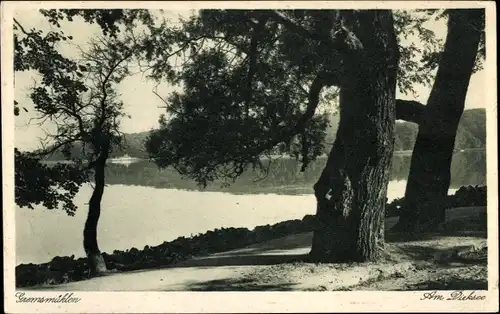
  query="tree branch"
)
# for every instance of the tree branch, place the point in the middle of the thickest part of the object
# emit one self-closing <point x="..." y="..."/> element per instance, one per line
<point x="313" y="99"/>
<point x="292" y="26"/>
<point x="103" y="86"/>
<point x="253" y="59"/>
<point x="50" y="151"/>
<point x="285" y="134"/>
<point x="21" y="28"/>
<point x="342" y="41"/>
<point x="409" y="110"/>
<point x="165" y="102"/>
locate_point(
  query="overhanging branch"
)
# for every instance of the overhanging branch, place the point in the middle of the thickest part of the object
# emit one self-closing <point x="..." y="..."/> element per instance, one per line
<point x="409" y="110"/>
<point x="285" y="134"/>
<point x="343" y="40"/>
<point x="292" y="26"/>
<point x="313" y="100"/>
<point x="312" y="103"/>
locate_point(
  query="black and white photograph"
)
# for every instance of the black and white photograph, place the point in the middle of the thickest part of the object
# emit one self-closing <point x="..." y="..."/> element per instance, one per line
<point x="336" y="149"/>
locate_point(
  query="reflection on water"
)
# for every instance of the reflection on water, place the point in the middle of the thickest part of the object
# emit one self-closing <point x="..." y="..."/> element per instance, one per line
<point x="284" y="177"/>
<point x="135" y="216"/>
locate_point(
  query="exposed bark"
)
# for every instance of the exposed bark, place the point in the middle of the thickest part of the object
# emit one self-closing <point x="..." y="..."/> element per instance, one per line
<point x="96" y="262"/>
<point x="430" y="175"/>
<point x="351" y="191"/>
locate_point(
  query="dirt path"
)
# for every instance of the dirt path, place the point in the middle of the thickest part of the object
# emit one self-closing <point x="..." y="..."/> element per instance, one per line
<point x="433" y="261"/>
<point x="416" y="265"/>
<point x="452" y="266"/>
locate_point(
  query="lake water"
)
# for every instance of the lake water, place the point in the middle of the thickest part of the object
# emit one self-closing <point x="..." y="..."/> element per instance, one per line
<point x="143" y="205"/>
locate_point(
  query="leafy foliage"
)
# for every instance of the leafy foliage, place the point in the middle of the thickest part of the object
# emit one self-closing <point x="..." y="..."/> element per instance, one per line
<point x="247" y="84"/>
<point x="109" y="20"/>
<point x="414" y="65"/>
<point x="247" y="76"/>
<point x="83" y="107"/>
<point x="418" y="63"/>
<point x="247" y="80"/>
<point x="471" y="134"/>
<point x="37" y="183"/>
<point x="77" y="96"/>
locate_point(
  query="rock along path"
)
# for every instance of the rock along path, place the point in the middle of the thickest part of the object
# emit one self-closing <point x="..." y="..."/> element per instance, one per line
<point x="275" y="265"/>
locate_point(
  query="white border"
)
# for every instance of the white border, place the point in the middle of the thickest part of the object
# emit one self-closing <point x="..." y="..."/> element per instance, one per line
<point x="158" y="302"/>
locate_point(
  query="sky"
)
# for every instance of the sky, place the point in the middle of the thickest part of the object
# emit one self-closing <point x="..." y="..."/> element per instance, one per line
<point x="137" y="92"/>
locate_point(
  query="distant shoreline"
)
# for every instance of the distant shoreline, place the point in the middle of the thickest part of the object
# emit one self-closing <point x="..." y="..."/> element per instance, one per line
<point x="127" y="159"/>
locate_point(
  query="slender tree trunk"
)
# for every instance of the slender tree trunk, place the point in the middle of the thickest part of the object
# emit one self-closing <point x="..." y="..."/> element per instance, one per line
<point x="430" y="174"/>
<point x="351" y="191"/>
<point x="96" y="262"/>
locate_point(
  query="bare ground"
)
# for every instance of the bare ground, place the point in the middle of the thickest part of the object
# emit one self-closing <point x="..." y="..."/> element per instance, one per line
<point x="455" y="258"/>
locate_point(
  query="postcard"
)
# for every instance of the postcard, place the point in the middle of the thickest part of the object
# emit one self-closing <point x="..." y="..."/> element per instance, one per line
<point x="249" y="156"/>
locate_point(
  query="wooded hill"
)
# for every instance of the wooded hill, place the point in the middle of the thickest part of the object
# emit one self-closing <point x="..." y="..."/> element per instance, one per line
<point x="471" y="131"/>
<point x="471" y="134"/>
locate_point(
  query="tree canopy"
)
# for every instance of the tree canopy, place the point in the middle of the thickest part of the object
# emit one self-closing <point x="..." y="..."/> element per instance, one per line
<point x="77" y="96"/>
<point x="254" y="79"/>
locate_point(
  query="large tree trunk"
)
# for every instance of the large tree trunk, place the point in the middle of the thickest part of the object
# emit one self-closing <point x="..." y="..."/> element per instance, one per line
<point x="429" y="177"/>
<point x="351" y="191"/>
<point x="96" y="262"/>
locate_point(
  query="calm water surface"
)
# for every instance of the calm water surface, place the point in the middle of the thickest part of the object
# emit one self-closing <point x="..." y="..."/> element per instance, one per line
<point x="143" y="205"/>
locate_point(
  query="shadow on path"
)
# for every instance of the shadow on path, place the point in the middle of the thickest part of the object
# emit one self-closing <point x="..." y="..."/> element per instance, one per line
<point x="237" y="284"/>
<point x="450" y="284"/>
<point x="242" y="260"/>
<point x="300" y="241"/>
<point x="398" y="237"/>
<point x="469" y="256"/>
<point x="295" y="248"/>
